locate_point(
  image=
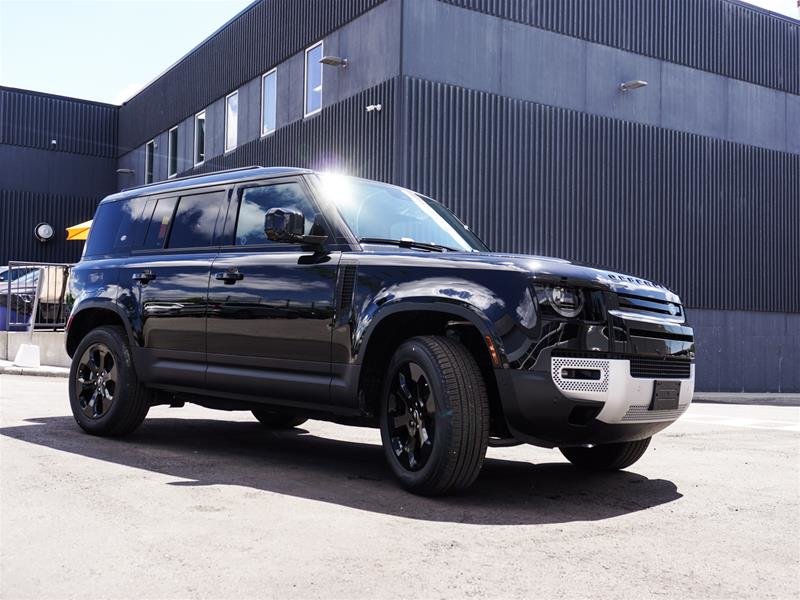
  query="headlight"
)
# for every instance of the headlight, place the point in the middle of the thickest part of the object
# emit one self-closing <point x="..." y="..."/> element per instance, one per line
<point x="568" y="302"/>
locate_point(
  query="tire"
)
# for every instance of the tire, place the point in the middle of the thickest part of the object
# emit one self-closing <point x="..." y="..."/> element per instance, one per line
<point x="448" y="434"/>
<point x="607" y="457"/>
<point x="120" y="408"/>
<point x="275" y="420"/>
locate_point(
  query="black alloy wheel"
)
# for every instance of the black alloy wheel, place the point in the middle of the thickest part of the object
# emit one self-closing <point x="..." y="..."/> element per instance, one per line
<point x="411" y="413"/>
<point x="105" y="393"/>
<point x="434" y="415"/>
<point x="96" y="382"/>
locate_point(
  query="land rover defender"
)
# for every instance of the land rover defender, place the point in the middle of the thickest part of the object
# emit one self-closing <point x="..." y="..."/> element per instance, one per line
<point x="298" y="295"/>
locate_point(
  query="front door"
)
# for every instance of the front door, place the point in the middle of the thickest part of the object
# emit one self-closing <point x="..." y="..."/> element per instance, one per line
<point x="271" y="304"/>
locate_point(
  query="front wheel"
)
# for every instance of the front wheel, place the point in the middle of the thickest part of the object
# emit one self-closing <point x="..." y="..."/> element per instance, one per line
<point x="606" y="457"/>
<point x="434" y="416"/>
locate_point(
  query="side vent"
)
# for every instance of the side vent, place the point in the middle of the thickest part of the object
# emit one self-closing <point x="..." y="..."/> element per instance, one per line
<point x="345" y="305"/>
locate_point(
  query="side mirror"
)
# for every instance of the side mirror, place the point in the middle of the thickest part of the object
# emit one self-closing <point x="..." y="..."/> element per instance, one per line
<point x="287" y="225"/>
<point x="283" y="224"/>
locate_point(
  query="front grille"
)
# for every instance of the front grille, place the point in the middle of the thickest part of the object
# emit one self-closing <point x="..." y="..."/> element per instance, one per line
<point x="660" y="368"/>
<point x="650" y="307"/>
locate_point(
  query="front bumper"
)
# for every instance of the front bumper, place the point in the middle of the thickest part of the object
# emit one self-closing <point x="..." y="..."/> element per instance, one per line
<point x="544" y="408"/>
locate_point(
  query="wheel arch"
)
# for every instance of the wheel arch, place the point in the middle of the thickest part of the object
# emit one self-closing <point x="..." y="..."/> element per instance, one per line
<point x="394" y="325"/>
<point x="89" y="317"/>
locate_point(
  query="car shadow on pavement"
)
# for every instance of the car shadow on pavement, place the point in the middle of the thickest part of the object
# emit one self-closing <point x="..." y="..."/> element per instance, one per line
<point x="351" y="474"/>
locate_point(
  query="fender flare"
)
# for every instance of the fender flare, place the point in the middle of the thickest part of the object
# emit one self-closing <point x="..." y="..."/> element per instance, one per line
<point x="461" y="310"/>
<point x="105" y="305"/>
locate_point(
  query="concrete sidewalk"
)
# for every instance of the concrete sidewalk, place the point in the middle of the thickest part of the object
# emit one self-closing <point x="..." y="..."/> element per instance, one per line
<point x="7" y="367"/>
<point x="761" y="399"/>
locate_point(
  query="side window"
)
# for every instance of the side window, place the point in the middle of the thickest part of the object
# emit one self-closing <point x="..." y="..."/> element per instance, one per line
<point x="195" y="220"/>
<point x="256" y="201"/>
<point x="159" y="224"/>
<point x="112" y="227"/>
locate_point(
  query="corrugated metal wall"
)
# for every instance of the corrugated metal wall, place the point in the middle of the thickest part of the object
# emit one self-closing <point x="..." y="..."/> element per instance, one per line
<point x="714" y="220"/>
<point x="22" y="211"/>
<point x="32" y="119"/>
<point x="343" y="137"/>
<point x="722" y="37"/>
<point x="264" y="35"/>
<point x="60" y="184"/>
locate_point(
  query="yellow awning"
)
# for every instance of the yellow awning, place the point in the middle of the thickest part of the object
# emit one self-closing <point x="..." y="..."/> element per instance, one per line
<point x="79" y="231"/>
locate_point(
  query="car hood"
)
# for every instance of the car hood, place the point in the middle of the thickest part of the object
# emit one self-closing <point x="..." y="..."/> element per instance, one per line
<point x="545" y="269"/>
<point x="555" y="270"/>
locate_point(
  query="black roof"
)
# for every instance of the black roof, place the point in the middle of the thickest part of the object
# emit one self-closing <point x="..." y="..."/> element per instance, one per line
<point x="217" y="177"/>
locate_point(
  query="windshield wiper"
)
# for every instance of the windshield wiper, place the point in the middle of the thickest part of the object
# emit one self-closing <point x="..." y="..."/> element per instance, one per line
<point x="406" y="243"/>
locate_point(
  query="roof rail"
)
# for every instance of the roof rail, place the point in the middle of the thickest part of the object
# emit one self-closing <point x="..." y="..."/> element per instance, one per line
<point x="170" y="180"/>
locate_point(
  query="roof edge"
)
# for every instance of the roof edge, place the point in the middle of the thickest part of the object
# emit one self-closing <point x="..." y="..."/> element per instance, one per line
<point x="197" y="47"/>
<point x="8" y="88"/>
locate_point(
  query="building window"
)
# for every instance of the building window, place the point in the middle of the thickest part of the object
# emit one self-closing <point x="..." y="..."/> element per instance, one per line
<point x="172" y="154"/>
<point x="149" y="152"/>
<point x="313" y="79"/>
<point x="269" y="97"/>
<point x="199" y="138"/>
<point x="231" y="121"/>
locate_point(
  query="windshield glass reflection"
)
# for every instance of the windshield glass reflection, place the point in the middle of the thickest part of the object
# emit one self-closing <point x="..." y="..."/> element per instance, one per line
<point x="381" y="211"/>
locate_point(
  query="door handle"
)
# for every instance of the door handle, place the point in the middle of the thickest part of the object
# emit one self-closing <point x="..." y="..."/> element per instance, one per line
<point x="230" y="276"/>
<point x="144" y="277"/>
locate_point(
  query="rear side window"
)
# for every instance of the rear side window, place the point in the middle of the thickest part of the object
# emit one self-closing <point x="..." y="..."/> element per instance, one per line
<point x="256" y="201"/>
<point x="158" y="228"/>
<point x="113" y="226"/>
<point x="196" y="220"/>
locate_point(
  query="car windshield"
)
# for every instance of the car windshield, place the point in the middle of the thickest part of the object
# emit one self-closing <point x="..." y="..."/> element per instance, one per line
<point x="381" y="212"/>
<point x="14" y="273"/>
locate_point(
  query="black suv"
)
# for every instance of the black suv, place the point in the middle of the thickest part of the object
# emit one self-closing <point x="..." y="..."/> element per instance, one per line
<point x="296" y="295"/>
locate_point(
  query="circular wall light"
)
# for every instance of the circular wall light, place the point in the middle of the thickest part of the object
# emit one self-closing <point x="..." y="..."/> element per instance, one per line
<point x="44" y="232"/>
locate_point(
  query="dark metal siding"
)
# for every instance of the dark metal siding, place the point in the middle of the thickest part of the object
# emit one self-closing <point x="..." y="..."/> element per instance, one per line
<point x="264" y="35"/>
<point x="722" y="37"/>
<point x="24" y="210"/>
<point x="33" y="119"/>
<point x="714" y="220"/>
<point x="343" y="137"/>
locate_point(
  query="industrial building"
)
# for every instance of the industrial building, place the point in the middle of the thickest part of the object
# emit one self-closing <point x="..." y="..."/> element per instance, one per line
<point x="660" y="138"/>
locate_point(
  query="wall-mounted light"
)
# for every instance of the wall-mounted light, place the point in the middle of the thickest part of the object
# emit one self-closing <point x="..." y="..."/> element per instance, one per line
<point x="125" y="171"/>
<point x="375" y="108"/>
<point x="334" y="61"/>
<point x="53" y="143"/>
<point x="632" y="85"/>
<point x="44" y="232"/>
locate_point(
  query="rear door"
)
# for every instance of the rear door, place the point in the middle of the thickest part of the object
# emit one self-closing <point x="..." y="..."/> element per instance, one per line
<point x="166" y="281"/>
<point x="271" y="304"/>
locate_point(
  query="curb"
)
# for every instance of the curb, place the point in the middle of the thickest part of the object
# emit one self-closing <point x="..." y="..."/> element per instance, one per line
<point x="751" y="399"/>
<point x="35" y="371"/>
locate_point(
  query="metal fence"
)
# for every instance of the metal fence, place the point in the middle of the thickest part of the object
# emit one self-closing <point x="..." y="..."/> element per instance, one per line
<point x="32" y="295"/>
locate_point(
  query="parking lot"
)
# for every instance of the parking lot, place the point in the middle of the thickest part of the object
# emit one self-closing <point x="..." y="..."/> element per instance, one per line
<point x="210" y="504"/>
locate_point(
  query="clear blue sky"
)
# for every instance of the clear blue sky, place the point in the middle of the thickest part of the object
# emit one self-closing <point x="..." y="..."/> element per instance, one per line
<point x="102" y="50"/>
<point x="109" y="49"/>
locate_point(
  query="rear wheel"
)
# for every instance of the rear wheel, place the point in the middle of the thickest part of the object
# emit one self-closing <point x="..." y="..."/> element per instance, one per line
<point x="104" y="393"/>
<point x="275" y="420"/>
<point x="606" y="457"/>
<point x="434" y="416"/>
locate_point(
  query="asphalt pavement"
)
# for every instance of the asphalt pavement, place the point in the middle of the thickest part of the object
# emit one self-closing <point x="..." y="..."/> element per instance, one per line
<point x="205" y="504"/>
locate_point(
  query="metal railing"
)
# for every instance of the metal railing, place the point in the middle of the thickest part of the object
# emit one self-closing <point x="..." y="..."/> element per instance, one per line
<point x="32" y="296"/>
